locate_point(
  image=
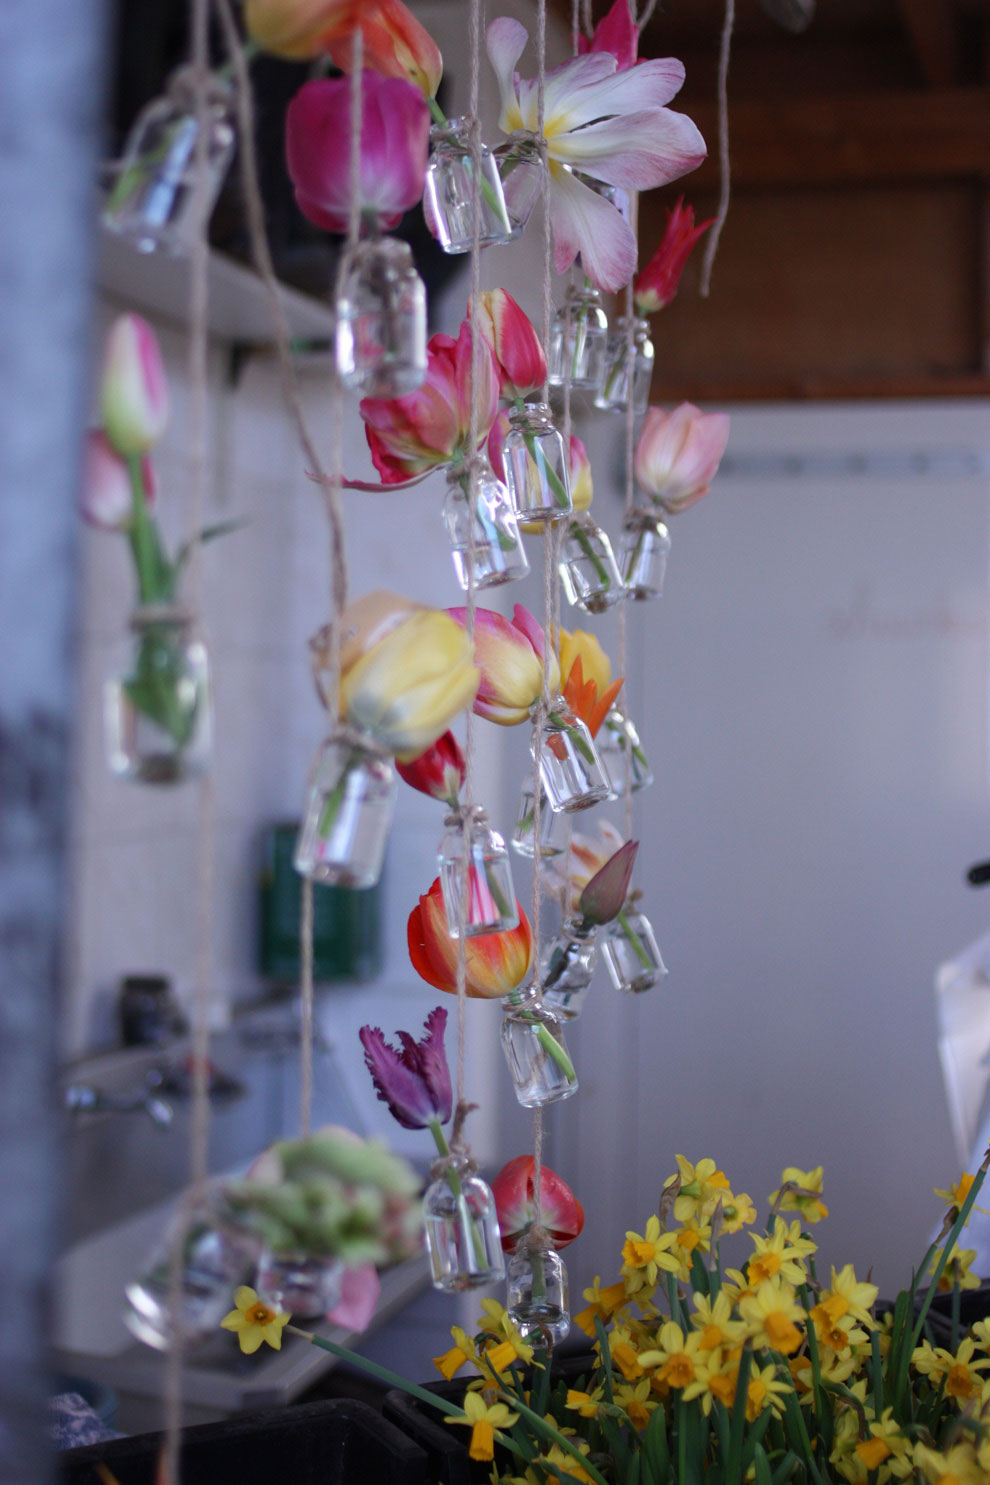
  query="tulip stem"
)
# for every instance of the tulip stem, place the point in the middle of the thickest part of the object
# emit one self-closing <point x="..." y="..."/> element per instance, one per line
<point x="577" y="531"/>
<point x="586" y="750"/>
<point x="545" y="1038"/>
<point x="545" y="472"/>
<point x="634" y="942"/>
<point x="439" y="117"/>
<point x="469" y="1227"/>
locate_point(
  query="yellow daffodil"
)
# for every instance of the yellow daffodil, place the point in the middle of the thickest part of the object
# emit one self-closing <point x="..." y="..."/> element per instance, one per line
<point x="958" y="1465"/>
<point x="635" y="1401"/>
<point x="849" y="1296"/>
<point x="714" y="1323"/>
<point x="462" y="1351"/>
<point x="765" y="1390"/>
<point x="958" y="1192"/>
<point x="645" y="1255"/>
<point x="956" y="1271"/>
<point x="960" y="1373"/>
<point x="773" y="1314"/>
<point x="781" y="1254"/>
<point x="585" y="1403"/>
<point x="886" y="1449"/>
<point x="737" y="1211"/>
<point x="806" y="1198"/>
<point x="701" y="1187"/>
<point x="601" y="1302"/>
<point x="676" y="1358"/>
<point x="624" y="1354"/>
<point x="254" y="1321"/>
<point x="836" y="1334"/>
<point x="559" y="1459"/>
<point x="483" y="1418"/>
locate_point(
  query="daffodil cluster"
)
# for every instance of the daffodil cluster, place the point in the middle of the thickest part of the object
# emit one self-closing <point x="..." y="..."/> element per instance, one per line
<point x="768" y="1372"/>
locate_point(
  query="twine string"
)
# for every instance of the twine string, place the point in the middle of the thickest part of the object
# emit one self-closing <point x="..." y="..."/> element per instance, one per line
<point x="711" y="246"/>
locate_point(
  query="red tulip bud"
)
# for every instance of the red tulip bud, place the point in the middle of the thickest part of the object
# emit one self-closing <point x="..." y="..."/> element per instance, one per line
<point x="439" y="772"/>
<point x="514" y="1191"/>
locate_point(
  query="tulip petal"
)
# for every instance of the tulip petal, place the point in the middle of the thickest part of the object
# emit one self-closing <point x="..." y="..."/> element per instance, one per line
<point x="650" y="85"/>
<point x="618" y="33"/>
<point x="396" y="1083"/>
<point x="585" y="223"/>
<point x="360" y="1289"/>
<point x="636" y="151"/>
<point x="604" y="895"/>
<point x="506" y="40"/>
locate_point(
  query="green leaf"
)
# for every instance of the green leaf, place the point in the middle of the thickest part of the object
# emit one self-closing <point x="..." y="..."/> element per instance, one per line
<point x="655" y="1446"/>
<point x="606" y="1358"/>
<point x="761" y="1467"/>
<point x="208" y="533"/>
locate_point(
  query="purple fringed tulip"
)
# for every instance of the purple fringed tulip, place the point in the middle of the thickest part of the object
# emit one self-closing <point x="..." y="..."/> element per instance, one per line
<point x="414" y="1082"/>
<point x="602" y="898"/>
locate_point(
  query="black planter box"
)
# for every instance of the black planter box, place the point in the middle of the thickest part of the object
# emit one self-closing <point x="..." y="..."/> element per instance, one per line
<point x="445" y="1444"/>
<point x="336" y="1442"/>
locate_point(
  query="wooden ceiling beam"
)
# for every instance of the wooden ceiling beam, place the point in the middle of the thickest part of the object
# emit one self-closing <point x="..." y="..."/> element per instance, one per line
<point x="930" y="25"/>
<point x="837" y="140"/>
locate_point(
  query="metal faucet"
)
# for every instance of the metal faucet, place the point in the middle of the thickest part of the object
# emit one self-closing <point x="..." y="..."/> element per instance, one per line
<point x="81" y="1098"/>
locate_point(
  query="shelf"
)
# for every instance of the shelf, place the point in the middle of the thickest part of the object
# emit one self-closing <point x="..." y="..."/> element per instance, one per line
<point x="157" y="285"/>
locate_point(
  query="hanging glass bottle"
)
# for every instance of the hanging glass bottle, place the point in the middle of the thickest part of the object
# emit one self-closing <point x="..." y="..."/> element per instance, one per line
<point x="570" y="768"/>
<point x="622" y="753"/>
<point x="553" y="827"/>
<point x="613" y="395"/>
<point x="520" y="169"/>
<point x="568" y="968"/>
<point x="534" y="1047"/>
<point x="157" y="203"/>
<point x="537" y="1296"/>
<point x="461" y="1231"/>
<point x="307" y="1285"/>
<point x="643" y="553"/>
<point x="157" y="707"/>
<point x="631" y="954"/>
<point x="380" y="329"/>
<point x="344" y="831"/>
<point x="449" y="193"/>
<point x="489" y="904"/>
<point x="588" y="569"/>
<point x="536" y="472"/>
<point x="578" y="339"/>
<point x="482" y="524"/>
<point x="215" y="1258"/>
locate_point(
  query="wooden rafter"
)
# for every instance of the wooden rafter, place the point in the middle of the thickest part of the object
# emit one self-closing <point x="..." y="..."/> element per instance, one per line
<point x="931" y="26"/>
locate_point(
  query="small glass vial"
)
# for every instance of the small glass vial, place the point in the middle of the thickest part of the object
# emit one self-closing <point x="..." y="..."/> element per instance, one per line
<point x="568" y="968"/>
<point x="537" y="1297"/>
<point x="156" y="203"/>
<point x="489" y="905"/>
<point x="588" y="569"/>
<point x="553" y="828"/>
<point x="306" y="1285"/>
<point x="643" y="552"/>
<point x="342" y="839"/>
<point x="534" y="1047"/>
<point x="450" y="185"/>
<point x="622" y="754"/>
<point x="380" y="330"/>
<point x="535" y="463"/>
<point x="215" y="1258"/>
<point x="483" y="528"/>
<point x="631" y="954"/>
<point x="613" y="395"/>
<point x="157" y="708"/>
<point x="520" y="169"/>
<point x="570" y="769"/>
<point x="461" y="1230"/>
<point x="578" y="338"/>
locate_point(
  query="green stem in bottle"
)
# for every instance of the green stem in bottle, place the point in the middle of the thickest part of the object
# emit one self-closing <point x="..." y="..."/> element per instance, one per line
<point x="545" y="1038"/>
<point x="586" y="749"/>
<point x="577" y="531"/>
<point x="560" y="494"/>
<point x="633" y="938"/>
<point x="453" y="1179"/>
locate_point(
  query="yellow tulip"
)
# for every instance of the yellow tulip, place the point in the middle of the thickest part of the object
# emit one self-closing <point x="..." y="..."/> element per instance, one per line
<point x="595" y="664"/>
<point x="407" y="688"/>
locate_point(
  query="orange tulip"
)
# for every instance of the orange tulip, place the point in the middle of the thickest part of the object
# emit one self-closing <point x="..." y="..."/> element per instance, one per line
<point x="497" y="963"/>
<point x="298" y="29"/>
<point x="395" y="43"/>
<point x="584" y="698"/>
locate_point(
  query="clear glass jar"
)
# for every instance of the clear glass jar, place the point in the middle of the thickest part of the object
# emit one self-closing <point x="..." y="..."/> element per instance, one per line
<point x="534" y="1047"/>
<point x="349" y="803"/>
<point x="643" y="551"/>
<point x="305" y="1284"/>
<point x="460" y="1230"/>
<point x="489" y="905"/>
<point x="536" y="466"/>
<point x="631" y="954"/>
<point x="622" y="753"/>
<point x="215" y="1259"/>
<point x="588" y="570"/>
<point x="449" y="191"/>
<point x="482" y="526"/>
<point x="380" y="329"/>
<point x="553" y="827"/>
<point x="570" y="769"/>
<point x="578" y="337"/>
<point x="156" y="202"/>
<point x="613" y="394"/>
<point x="537" y="1297"/>
<point x="568" y="967"/>
<point x="520" y="169"/>
<point x="157" y="707"/>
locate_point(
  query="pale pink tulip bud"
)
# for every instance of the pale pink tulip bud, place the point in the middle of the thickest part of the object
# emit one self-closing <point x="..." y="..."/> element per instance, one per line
<point x="133" y="387"/>
<point x="678" y="454"/>
<point x="105" y="498"/>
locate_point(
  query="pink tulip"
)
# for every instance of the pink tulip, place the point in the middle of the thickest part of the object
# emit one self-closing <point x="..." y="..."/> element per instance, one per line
<point x="360" y="1289"/>
<point x="106" y="498"/>
<point x="496" y="439"/>
<point x="656" y="286"/>
<point x="412" y="434"/>
<point x="522" y="365"/>
<point x="510" y="656"/>
<point x="133" y="387"/>
<point x="678" y="454"/>
<point x="395" y="142"/>
<point x="439" y="772"/>
<point x="617" y="33"/>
